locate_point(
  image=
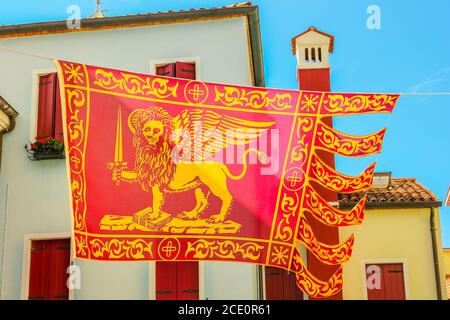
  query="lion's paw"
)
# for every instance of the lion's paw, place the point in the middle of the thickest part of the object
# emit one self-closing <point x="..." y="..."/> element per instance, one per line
<point x="187" y="215"/>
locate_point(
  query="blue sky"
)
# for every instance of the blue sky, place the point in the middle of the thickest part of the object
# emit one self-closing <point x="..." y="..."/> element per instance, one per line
<point x="410" y="53"/>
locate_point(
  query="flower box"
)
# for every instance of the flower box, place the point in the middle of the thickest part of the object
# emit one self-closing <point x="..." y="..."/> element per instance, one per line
<point x="45" y="148"/>
<point x="45" y="155"/>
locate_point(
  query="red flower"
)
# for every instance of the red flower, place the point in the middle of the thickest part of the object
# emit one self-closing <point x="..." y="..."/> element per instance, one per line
<point x="41" y="141"/>
<point x="32" y="146"/>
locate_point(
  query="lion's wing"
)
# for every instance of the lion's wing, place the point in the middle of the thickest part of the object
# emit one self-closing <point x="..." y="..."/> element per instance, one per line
<point x="203" y="133"/>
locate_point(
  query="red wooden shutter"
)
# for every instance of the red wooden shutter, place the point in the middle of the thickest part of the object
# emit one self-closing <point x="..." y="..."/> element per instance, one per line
<point x="166" y="280"/>
<point x="281" y="285"/>
<point x="39" y="266"/>
<point x="274" y="283"/>
<point x="187" y="280"/>
<point x="394" y="281"/>
<point x="185" y="70"/>
<point x="291" y="290"/>
<point x="391" y="282"/>
<point x="177" y="281"/>
<point x="167" y="70"/>
<point x="48" y="270"/>
<point x="59" y="262"/>
<point x="58" y="134"/>
<point x="46" y="105"/>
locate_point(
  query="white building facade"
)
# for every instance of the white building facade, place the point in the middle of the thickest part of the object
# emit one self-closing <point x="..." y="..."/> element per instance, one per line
<point x="225" y="46"/>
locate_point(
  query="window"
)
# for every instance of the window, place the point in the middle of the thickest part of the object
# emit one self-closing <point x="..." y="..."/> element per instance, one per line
<point x="185" y="70"/>
<point x="281" y="285"/>
<point x="177" y="280"/>
<point x="49" y="260"/>
<point x="49" y="113"/>
<point x="385" y="281"/>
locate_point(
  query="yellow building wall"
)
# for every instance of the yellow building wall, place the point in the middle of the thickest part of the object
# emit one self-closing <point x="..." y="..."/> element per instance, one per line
<point x="447" y="269"/>
<point x="393" y="236"/>
<point x="447" y="261"/>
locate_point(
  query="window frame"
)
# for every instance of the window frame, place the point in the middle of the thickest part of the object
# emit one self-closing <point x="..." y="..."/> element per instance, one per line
<point x="402" y="261"/>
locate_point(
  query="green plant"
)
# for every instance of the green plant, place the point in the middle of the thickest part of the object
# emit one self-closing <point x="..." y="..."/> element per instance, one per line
<point x="45" y="144"/>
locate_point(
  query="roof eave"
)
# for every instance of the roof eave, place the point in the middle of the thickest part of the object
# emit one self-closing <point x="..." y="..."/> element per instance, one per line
<point x="89" y="23"/>
<point x="137" y="20"/>
<point x="393" y="204"/>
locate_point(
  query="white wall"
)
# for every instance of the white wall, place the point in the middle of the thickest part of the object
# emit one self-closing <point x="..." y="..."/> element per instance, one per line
<point x="34" y="195"/>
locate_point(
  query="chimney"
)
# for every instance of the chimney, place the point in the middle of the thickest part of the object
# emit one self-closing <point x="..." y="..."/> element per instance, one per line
<point x="311" y="49"/>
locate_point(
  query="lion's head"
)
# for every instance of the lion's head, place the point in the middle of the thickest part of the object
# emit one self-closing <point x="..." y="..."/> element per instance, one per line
<point x="152" y="129"/>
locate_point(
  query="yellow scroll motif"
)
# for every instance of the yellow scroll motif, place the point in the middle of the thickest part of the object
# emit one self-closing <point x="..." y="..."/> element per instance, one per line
<point x="330" y="216"/>
<point x="312" y="286"/>
<point x="133" y="84"/>
<point x="75" y="100"/>
<point x="338" y="182"/>
<point x="299" y="153"/>
<point x="256" y="99"/>
<point x="226" y="249"/>
<point x="117" y="249"/>
<point x="348" y="104"/>
<point x="347" y="145"/>
<point x="328" y="254"/>
<point x="289" y="207"/>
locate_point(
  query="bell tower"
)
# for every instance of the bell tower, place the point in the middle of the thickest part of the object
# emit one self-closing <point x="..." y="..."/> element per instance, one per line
<point x="311" y="49"/>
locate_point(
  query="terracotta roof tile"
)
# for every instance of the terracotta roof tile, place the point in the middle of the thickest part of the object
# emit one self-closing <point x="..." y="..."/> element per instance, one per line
<point x="401" y="190"/>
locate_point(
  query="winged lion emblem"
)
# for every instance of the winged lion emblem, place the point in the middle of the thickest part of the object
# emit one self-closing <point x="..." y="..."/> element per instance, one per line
<point x="173" y="154"/>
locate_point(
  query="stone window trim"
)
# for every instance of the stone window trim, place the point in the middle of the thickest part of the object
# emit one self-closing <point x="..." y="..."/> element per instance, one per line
<point x="6" y="109"/>
<point x="7" y="121"/>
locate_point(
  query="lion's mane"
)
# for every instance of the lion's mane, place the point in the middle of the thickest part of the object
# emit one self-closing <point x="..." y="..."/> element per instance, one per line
<point x="154" y="166"/>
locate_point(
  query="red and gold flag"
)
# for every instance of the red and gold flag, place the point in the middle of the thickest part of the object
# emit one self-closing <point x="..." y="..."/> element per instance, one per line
<point x="169" y="169"/>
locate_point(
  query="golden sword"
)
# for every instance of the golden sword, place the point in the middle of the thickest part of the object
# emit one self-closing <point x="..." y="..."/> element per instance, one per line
<point x="118" y="165"/>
